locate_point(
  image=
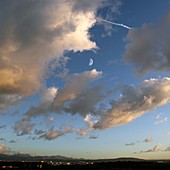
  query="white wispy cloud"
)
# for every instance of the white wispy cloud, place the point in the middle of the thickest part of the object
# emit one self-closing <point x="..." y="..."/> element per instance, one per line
<point x="160" y="119"/>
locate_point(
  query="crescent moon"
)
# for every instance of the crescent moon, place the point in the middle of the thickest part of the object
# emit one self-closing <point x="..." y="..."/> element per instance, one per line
<point x="90" y="62"/>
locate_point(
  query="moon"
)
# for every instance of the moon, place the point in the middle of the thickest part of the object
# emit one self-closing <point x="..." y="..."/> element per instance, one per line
<point x="91" y="62"/>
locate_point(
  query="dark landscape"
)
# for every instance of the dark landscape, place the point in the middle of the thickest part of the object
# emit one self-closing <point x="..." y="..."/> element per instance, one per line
<point x="25" y="161"/>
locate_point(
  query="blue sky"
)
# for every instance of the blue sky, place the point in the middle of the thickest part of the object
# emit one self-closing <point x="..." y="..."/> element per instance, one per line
<point x="53" y="102"/>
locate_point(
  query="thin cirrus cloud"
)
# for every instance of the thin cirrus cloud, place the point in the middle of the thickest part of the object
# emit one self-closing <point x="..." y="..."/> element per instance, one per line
<point x="160" y="119"/>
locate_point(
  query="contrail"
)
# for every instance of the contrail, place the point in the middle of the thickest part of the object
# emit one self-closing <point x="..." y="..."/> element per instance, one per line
<point x="114" y="23"/>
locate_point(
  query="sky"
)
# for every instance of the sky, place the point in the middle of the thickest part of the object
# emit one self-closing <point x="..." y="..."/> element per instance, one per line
<point x="85" y="79"/>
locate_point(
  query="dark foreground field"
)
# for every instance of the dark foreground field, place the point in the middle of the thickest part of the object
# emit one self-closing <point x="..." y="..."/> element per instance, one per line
<point x="126" y="165"/>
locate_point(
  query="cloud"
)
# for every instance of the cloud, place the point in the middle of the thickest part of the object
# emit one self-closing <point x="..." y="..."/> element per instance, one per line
<point x="2" y="139"/>
<point x="2" y="126"/>
<point x="12" y="141"/>
<point x="66" y="99"/>
<point x="160" y="119"/>
<point x="88" y="119"/>
<point x="82" y="132"/>
<point x="156" y="148"/>
<point x="70" y="99"/>
<point x="134" y="102"/>
<point x="167" y="149"/>
<point x="149" y="139"/>
<point x="52" y="134"/>
<point x="148" y="47"/>
<point x="49" y="94"/>
<point x="23" y="127"/>
<point x="165" y="119"/>
<point x="86" y="102"/>
<point x="8" y="100"/>
<point x="130" y="144"/>
<point x="49" y="121"/>
<point x="4" y="149"/>
<point x="168" y="133"/>
<point x="72" y="89"/>
<point x="39" y="132"/>
<point x="32" y="37"/>
<point x="112" y="10"/>
<point x="93" y="137"/>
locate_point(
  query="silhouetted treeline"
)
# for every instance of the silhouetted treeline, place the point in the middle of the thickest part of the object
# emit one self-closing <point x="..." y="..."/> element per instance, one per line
<point x="127" y="165"/>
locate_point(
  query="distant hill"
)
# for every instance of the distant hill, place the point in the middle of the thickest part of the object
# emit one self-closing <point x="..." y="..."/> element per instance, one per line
<point x="27" y="157"/>
<point x="123" y="159"/>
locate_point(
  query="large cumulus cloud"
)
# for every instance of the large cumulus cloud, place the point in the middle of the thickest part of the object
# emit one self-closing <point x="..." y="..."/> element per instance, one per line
<point x="148" y="47"/>
<point x="34" y="32"/>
